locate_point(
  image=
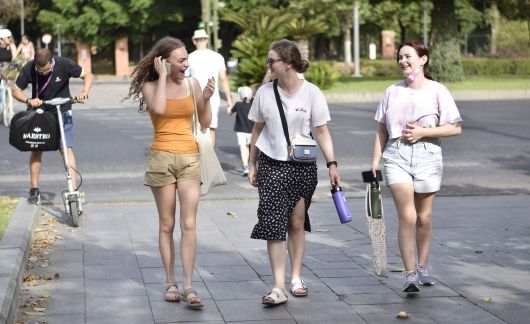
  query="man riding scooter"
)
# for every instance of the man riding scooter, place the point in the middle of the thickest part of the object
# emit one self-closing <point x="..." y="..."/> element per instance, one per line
<point x="49" y="77"/>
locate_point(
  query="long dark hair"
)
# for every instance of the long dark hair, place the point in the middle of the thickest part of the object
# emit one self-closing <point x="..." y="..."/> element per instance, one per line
<point x="288" y="51"/>
<point x="145" y="70"/>
<point x="421" y="50"/>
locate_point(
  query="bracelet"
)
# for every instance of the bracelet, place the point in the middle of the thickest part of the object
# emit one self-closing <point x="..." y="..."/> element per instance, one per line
<point x="330" y="163"/>
<point x="27" y="101"/>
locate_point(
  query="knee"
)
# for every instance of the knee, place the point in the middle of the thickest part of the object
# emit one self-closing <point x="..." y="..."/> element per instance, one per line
<point x="408" y="219"/>
<point x="424" y="220"/>
<point x="296" y="224"/>
<point x="188" y="225"/>
<point x="167" y="227"/>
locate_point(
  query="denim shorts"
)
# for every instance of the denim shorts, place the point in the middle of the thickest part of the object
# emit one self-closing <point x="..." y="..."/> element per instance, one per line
<point x="419" y="164"/>
<point x="68" y="123"/>
<point x="164" y="168"/>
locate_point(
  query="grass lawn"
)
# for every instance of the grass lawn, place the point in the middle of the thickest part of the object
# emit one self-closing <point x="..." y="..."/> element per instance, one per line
<point x="7" y="206"/>
<point x="379" y="84"/>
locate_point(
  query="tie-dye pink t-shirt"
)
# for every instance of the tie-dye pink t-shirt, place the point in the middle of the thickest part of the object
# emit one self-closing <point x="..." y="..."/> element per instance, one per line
<point x="429" y="106"/>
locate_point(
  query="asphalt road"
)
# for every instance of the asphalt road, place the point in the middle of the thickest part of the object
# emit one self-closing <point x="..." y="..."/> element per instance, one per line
<point x="491" y="157"/>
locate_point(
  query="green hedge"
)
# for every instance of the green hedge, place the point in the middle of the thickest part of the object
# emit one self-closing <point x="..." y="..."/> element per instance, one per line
<point x="472" y="66"/>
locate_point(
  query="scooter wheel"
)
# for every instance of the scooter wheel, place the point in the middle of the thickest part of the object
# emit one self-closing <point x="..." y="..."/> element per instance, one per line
<point x="74" y="212"/>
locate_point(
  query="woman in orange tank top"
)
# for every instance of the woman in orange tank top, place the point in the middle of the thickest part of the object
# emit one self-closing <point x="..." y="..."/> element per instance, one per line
<point x="160" y="86"/>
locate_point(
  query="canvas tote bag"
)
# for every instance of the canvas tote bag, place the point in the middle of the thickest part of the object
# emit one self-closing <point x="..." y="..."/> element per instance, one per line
<point x="212" y="174"/>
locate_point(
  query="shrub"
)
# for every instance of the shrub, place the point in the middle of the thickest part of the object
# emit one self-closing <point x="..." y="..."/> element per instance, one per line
<point x="496" y="66"/>
<point x="322" y="74"/>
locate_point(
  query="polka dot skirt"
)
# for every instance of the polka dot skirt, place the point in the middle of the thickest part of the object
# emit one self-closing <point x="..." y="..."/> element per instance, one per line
<point x="281" y="184"/>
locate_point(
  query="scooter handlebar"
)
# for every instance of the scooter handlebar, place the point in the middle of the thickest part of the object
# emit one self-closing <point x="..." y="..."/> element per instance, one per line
<point x="60" y="101"/>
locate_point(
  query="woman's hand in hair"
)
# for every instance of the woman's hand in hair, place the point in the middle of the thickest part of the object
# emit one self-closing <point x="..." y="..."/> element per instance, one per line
<point x="160" y="66"/>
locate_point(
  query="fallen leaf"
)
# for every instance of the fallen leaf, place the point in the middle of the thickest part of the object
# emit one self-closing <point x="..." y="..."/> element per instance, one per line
<point x="488" y="299"/>
<point x="57" y="276"/>
<point x="72" y="230"/>
<point x="478" y="251"/>
<point x="402" y="315"/>
<point x="232" y="214"/>
<point x="40" y="229"/>
<point x="35" y="313"/>
<point x="39" y="309"/>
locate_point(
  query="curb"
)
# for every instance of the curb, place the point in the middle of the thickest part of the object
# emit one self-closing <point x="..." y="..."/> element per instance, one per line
<point x="14" y="250"/>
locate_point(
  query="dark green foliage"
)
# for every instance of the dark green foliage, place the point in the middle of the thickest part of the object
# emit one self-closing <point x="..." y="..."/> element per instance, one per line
<point x="322" y="74"/>
<point x="446" y="62"/>
<point x="495" y="66"/>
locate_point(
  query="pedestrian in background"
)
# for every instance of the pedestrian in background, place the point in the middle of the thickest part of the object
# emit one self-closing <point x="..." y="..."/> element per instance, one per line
<point x="205" y="64"/>
<point x="413" y="115"/>
<point x="173" y="163"/>
<point x="50" y="78"/>
<point x="286" y="187"/>
<point x="26" y="48"/>
<point x="243" y="125"/>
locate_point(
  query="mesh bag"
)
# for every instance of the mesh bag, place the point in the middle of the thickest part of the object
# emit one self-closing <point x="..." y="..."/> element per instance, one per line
<point x="376" y="229"/>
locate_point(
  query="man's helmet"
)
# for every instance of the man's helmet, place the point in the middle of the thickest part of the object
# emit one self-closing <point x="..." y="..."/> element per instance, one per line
<point x="5" y="33"/>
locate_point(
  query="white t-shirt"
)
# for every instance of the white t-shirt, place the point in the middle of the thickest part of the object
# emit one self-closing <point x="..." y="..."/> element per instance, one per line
<point x="205" y="64"/>
<point x="305" y="109"/>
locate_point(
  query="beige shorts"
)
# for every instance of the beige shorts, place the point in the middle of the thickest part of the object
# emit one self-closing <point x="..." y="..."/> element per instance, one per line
<point x="164" y="168"/>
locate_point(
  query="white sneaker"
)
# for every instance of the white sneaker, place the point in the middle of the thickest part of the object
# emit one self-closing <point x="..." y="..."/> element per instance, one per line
<point x="411" y="282"/>
<point x="424" y="274"/>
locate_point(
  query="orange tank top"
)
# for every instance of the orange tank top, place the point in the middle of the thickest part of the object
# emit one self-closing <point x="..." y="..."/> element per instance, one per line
<point x="173" y="129"/>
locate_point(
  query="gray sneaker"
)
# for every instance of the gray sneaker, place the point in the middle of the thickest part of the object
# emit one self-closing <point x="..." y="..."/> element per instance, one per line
<point x="424" y="274"/>
<point x="411" y="282"/>
<point x="34" y="196"/>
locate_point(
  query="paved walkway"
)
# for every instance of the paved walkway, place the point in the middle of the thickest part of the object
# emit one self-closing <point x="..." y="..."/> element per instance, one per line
<point x="109" y="270"/>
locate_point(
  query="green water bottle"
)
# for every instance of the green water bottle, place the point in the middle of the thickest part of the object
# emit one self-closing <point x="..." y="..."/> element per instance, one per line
<point x="375" y="201"/>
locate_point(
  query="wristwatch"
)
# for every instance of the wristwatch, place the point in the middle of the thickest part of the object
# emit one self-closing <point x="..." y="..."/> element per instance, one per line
<point x="330" y="163"/>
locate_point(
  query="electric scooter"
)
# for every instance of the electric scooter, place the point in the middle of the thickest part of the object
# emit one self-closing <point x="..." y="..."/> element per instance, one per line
<point x="72" y="198"/>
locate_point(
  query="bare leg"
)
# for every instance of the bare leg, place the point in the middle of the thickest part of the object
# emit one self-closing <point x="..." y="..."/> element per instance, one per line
<point x="296" y="239"/>
<point x="165" y="198"/>
<point x="35" y="165"/>
<point x="189" y="192"/>
<point x="244" y="149"/>
<point x="276" y="251"/>
<point x="424" y="203"/>
<point x="403" y="195"/>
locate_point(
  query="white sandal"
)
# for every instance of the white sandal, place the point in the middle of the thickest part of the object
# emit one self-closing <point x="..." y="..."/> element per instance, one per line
<point x="299" y="288"/>
<point x="276" y="297"/>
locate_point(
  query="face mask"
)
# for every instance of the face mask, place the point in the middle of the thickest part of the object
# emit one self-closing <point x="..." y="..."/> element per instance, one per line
<point x="413" y="76"/>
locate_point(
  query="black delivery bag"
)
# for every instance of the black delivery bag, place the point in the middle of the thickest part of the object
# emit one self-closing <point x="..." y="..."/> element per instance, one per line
<point x="34" y="130"/>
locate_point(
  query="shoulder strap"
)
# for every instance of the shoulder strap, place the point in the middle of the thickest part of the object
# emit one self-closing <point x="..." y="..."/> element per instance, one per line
<point x="196" y="124"/>
<point x="282" y="114"/>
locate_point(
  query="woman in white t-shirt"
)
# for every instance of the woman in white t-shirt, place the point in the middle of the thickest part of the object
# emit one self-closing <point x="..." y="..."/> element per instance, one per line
<point x="286" y="187"/>
<point x="413" y="115"/>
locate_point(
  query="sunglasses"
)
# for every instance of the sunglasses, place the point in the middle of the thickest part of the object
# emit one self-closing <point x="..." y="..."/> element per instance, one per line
<point x="271" y="61"/>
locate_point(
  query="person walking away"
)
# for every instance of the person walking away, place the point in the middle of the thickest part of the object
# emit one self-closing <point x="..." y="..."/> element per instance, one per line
<point x="50" y="78"/>
<point x="243" y="125"/>
<point x="8" y="49"/>
<point x="413" y="115"/>
<point x="26" y="49"/>
<point x="205" y="64"/>
<point x="173" y="168"/>
<point x="285" y="187"/>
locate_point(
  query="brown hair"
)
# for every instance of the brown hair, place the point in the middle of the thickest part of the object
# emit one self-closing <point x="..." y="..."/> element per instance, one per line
<point x="421" y="50"/>
<point x="43" y="57"/>
<point x="288" y="51"/>
<point x="145" y="70"/>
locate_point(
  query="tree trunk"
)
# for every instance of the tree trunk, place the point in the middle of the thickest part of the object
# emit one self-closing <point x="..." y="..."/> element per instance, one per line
<point x="303" y="46"/>
<point x="346" y="32"/>
<point x="495" y="17"/>
<point x="446" y="59"/>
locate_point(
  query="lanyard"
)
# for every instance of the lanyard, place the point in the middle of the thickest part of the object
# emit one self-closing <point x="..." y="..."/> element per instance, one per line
<point x="46" y="83"/>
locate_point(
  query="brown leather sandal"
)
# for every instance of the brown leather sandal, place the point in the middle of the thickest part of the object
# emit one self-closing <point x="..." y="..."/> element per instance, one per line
<point x="192" y="298"/>
<point x="172" y="295"/>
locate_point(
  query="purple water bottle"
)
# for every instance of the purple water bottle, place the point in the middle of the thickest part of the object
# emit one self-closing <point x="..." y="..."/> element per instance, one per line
<point x="341" y="204"/>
